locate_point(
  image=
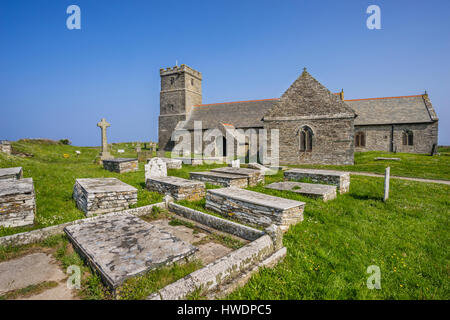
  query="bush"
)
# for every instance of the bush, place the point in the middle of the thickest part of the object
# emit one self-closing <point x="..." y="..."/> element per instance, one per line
<point x="65" y="141"/>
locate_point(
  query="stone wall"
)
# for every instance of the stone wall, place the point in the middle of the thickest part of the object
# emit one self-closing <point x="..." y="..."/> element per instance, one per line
<point x="178" y="188"/>
<point x="121" y="166"/>
<point x="337" y="178"/>
<point x="17" y="202"/>
<point x="332" y="142"/>
<point x="102" y="202"/>
<point x="254" y="208"/>
<point x="378" y="137"/>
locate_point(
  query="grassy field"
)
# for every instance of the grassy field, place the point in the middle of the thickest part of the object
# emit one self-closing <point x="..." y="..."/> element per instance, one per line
<point x="54" y="177"/>
<point x="328" y="253"/>
<point x="410" y="165"/>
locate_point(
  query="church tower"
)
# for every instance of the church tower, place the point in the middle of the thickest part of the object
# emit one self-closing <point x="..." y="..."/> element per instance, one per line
<point x="181" y="88"/>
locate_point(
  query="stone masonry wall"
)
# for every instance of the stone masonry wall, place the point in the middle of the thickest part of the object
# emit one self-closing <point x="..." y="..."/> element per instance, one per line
<point x="378" y="137"/>
<point x="332" y="143"/>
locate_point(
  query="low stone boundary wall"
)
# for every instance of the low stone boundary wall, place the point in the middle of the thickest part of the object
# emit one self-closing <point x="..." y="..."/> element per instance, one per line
<point x="221" y="271"/>
<point x="41" y="234"/>
<point x="217" y="223"/>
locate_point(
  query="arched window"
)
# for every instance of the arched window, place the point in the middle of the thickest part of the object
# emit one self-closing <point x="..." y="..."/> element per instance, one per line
<point x="306" y="137"/>
<point x="408" y="138"/>
<point x="360" y="139"/>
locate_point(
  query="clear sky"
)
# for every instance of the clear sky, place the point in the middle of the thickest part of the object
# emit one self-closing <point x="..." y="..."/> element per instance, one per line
<point x="58" y="83"/>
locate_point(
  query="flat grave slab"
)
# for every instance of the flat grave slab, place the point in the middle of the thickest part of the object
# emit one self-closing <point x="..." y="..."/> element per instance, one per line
<point x="387" y="159"/>
<point x="11" y="173"/>
<point x="119" y="246"/>
<point x="255" y="208"/>
<point x="102" y="195"/>
<point x="254" y="176"/>
<point x="220" y="179"/>
<point x="121" y="165"/>
<point x="178" y="188"/>
<point x="337" y="178"/>
<point x="17" y="202"/>
<point x="323" y="191"/>
<point x="171" y="163"/>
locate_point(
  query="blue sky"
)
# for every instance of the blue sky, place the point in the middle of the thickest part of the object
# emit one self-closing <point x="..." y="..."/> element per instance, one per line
<point x="58" y="83"/>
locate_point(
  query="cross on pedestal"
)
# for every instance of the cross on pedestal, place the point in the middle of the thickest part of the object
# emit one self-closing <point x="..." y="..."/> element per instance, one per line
<point x="103" y="125"/>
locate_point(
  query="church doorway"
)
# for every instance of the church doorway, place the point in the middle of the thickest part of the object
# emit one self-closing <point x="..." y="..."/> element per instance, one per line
<point x="224" y="147"/>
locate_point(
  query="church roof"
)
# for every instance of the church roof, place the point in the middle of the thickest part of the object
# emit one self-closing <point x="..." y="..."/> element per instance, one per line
<point x="393" y="110"/>
<point x="308" y="98"/>
<point x="240" y="114"/>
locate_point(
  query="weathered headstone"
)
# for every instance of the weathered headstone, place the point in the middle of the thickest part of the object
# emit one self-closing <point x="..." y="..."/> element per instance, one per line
<point x="138" y="147"/>
<point x="78" y="152"/>
<point x="121" y="165"/>
<point x="104" y="154"/>
<point x="236" y="163"/>
<point x="17" y="202"/>
<point x="171" y="163"/>
<point x="120" y="151"/>
<point x="156" y="167"/>
<point x="387" y="176"/>
<point x="103" y="195"/>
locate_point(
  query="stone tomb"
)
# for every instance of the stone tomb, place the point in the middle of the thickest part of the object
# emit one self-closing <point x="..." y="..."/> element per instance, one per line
<point x="254" y="176"/>
<point x="121" y="165"/>
<point x="119" y="246"/>
<point x="178" y="188"/>
<point x="171" y="163"/>
<point x="255" y="208"/>
<point x="337" y="178"/>
<point x="11" y="173"/>
<point x="322" y="191"/>
<point x="17" y="202"/>
<point x="103" y="195"/>
<point x="221" y="179"/>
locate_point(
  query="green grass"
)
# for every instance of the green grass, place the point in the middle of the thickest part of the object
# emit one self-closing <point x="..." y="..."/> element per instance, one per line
<point x="54" y="177"/>
<point x="410" y="165"/>
<point x="329" y="252"/>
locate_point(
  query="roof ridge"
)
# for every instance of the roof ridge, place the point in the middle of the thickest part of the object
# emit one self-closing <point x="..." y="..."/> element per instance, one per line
<point x="212" y="104"/>
<point x="412" y="96"/>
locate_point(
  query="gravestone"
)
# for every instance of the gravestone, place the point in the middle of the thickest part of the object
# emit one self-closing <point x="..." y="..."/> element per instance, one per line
<point x="156" y="167"/>
<point x="236" y="163"/>
<point x="121" y="165"/>
<point x="337" y="178"/>
<point x="220" y="179"/>
<point x="171" y="163"/>
<point x="11" y="173"/>
<point x="178" y="188"/>
<point x="120" y="151"/>
<point x="104" y="154"/>
<point x="5" y="147"/>
<point x="120" y="246"/>
<point x="138" y="147"/>
<point x="17" y="202"/>
<point x="103" y="195"/>
<point x="313" y="190"/>
<point x="254" y="176"/>
<point x="254" y="208"/>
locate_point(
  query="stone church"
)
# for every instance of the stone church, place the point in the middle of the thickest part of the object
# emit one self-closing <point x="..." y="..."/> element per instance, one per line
<point x="315" y="125"/>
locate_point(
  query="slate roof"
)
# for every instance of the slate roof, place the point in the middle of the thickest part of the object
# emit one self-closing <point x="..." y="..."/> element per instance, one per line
<point x="240" y="114"/>
<point x="393" y="110"/>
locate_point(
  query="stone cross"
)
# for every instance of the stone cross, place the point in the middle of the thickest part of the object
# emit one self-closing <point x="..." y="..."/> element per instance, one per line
<point x="103" y="125"/>
<point x="387" y="175"/>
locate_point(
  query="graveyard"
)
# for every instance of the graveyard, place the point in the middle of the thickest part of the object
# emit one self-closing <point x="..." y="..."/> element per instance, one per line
<point x="331" y="229"/>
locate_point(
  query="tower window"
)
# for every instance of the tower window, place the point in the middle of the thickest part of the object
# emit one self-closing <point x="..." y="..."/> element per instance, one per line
<point x="192" y="82"/>
<point x="172" y="80"/>
<point x="305" y="137"/>
<point x="408" y="138"/>
<point x="360" y="139"/>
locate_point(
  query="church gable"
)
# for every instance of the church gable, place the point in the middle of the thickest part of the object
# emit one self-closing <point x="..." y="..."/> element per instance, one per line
<point x="307" y="97"/>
